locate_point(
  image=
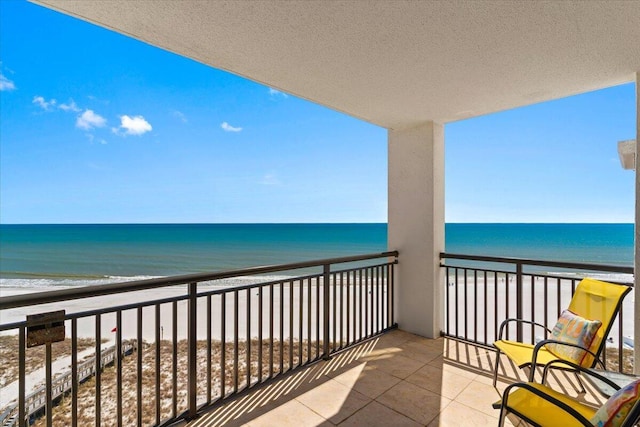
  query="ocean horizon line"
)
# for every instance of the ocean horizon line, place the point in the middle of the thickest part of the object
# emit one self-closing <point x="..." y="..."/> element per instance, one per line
<point x="314" y="223"/>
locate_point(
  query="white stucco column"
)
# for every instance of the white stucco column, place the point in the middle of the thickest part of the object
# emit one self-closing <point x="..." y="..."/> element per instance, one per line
<point x="636" y="326"/>
<point x="416" y="225"/>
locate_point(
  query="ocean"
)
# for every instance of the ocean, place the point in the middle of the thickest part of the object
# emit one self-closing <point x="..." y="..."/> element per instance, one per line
<point x="43" y="256"/>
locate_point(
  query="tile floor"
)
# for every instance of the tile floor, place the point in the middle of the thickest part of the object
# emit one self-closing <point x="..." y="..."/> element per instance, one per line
<point x="397" y="379"/>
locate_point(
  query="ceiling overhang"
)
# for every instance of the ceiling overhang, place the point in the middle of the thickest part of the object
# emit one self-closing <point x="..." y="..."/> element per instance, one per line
<point x="394" y="63"/>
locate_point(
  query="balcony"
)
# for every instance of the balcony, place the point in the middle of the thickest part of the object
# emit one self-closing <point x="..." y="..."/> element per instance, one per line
<point x="324" y="348"/>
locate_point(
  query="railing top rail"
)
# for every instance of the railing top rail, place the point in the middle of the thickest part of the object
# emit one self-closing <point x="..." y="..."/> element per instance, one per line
<point x="24" y="300"/>
<point x="524" y="261"/>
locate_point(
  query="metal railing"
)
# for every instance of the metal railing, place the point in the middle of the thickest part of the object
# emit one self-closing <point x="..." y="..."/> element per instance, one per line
<point x="222" y="340"/>
<point x="482" y="291"/>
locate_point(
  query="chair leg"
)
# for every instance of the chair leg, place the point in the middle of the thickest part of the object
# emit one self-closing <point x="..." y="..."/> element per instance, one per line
<point x="495" y="370"/>
<point x="503" y="415"/>
<point x="532" y="372"/>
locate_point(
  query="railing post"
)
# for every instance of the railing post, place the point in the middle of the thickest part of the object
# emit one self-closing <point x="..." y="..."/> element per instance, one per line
<point x="518" y="300"/>
<point x="192" y="353"/>
<point x="326" y="297"/>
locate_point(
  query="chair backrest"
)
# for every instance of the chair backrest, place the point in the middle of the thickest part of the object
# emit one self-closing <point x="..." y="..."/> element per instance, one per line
<point x="633" y="418"/>
<point x="597" y="300"/>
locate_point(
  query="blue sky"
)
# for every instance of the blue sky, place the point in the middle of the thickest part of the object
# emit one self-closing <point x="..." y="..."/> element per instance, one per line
<point x="99" y="128"/>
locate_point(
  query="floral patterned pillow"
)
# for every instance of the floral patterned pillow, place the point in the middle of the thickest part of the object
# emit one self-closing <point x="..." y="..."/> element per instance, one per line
<point x="616" y="409"/>
<point x="573" y="329"/>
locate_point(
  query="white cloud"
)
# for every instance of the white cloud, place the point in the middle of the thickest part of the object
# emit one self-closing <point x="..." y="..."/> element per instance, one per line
<point x="270" y="179"/>
<point x="89" y="120"/>
<point x="136" y="125"/>
<point x="6" y="84"/>
<point x="228" y="128"/>
<point x="43" y="103"/>
<point x="71" y="106"/>
<point x="179" y="115"/>
<point x="274" y="92"/>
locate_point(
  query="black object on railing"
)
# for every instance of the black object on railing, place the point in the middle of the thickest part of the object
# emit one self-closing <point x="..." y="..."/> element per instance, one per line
<point x="174" y="376"/>
<point x="523" y="286"/>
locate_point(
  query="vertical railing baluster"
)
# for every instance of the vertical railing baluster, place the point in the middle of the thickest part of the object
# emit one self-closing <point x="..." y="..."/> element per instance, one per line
<point x="119" y="367"/>
<point x="290" y="325"/>
<point x="49" y="384"/>
<point x="495" y="304"/>
<point x="300" y="321"/>
<point x="209" y="349"/>
<point x="559" y="302"/>
<point x="157" y="373"/>
<point x="546" y="307"/>
<point x="22" y="345"/>
<point x="360" y="302"/>
<point x="74" y="372"/>
<point x="348" y="342"/>
<point x="325" y="302"/>
<point x="456" y="302"/>
<point x="366" y="302"/>
<point x="281" y="325"/>
<point x="260" y="326"/>
<point x="378" y="299"/>
<point x="248" y="346"/>
<point x="235" y="341"/>
<point x="174" y="366"/>
<point x="192" y="364"/>
<point x="475" y="305"/>
<point x="485" y="312"/>
<point x="387" y="283"/>
<point x="533" y="308"/>
<point x="98" y="402"/>
<point x="271" y="316"/>
<point x="139" y="368"/>
<point x="371" y="302"/>
<point x="447" y="299"/>
<point x="507" y="300"/>
<point x="519" y="297"/>
<point x="318" y="317"/>
<point x="392" y="292"/>
<point x="223" y="344"/>
<point x="620" y="340"/>
<point x="309" y="315"/>
<point x="334" y="309"/>
<point x="466" y="304"/>
<point x="341" y="309"/>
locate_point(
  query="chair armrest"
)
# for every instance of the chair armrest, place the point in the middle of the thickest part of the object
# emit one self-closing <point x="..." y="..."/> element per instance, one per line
<point x="577" y="367"/>
<point x="563" y="406"/>
<point x="506" y="321"/>
<point x="542" y="343"/>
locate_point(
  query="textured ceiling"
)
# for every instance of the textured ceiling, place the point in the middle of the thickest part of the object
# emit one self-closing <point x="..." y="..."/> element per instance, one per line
<point x="394" y="63"/>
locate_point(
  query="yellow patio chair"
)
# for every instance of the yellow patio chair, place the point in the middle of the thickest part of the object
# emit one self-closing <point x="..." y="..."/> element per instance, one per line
<point x="593" y="307"/>
<point x="544" y="407"/>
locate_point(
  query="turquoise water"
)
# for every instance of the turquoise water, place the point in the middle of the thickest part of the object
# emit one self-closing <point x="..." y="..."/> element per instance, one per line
<point x="50" y="255"/>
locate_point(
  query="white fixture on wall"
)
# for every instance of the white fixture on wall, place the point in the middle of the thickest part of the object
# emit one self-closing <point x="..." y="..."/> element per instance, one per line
<point x="627" y="153"/>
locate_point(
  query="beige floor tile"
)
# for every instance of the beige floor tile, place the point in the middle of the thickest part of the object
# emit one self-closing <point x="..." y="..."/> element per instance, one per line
<point x="377" y="415"/>
<point x="420" y="351"/>
<point x="396" y="365"/>
<point x="462" y="370"/>
<point x="333" y="401"/>
<point x="479" y="396"/>
<point x="367" y="380"/>
<point x="293" y="414"/>
<point x="415" y="402"/>
<point x="459" y="415"/>
<point x="439" y="381"/>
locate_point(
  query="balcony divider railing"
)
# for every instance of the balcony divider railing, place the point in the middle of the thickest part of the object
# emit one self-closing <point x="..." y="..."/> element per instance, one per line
<point x="482" y="291"/>
<point x="221" y="340"/>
